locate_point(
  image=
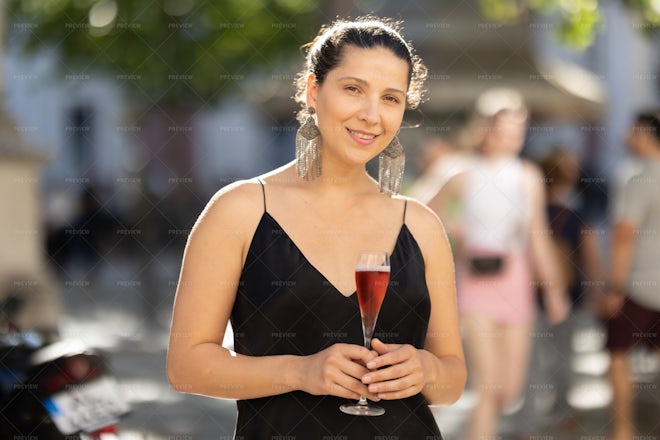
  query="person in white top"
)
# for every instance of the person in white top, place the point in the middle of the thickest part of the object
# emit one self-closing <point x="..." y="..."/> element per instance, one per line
<point x="495" y="216"/>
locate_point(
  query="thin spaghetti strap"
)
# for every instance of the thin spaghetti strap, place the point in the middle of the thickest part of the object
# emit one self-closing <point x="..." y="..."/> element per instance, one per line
<point x="263" y="191"/>
<point x="405" y="205"/>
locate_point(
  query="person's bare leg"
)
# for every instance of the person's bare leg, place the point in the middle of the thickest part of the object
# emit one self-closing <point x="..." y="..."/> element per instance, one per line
<point x="515" y="351"/>
<point x="482" y="341"/>
<point x="622" y="397"/>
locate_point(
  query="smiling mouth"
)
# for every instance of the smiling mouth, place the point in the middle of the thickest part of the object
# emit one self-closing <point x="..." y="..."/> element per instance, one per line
<point x="364" y="136"/>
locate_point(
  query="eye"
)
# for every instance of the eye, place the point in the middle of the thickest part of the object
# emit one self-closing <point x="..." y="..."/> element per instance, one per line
<point x="351" y="89"/>
<point x="393" y="99"/>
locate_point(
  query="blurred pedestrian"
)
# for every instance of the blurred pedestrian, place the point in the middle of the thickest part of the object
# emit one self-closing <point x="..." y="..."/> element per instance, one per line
<point x="574" y="236"/>
<point x="631" y="306"/>
<point x="501" y="236"/>
<point x="276" y="255"/>
<point x="439" y="161"/>
<point x="575" y="242"/>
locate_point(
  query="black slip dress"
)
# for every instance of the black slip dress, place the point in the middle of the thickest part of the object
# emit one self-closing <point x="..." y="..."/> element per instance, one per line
<point x="284" y="305"/>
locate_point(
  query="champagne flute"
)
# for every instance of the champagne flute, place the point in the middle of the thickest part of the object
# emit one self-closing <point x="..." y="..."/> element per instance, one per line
<point x="372" y="275"/>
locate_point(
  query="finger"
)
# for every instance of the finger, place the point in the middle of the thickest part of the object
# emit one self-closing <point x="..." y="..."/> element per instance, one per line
<point x="395" y="395"/>
<point x="350" y="373"/>
<point x="353" y="368"/>
<point x="381" y="348"/>
<point x="398" y="354"/>
<point x="358" y="353"/>
<point x="341" y="391"/>
<point x="390" y="373"/>
<point x="396" y="385"/>
<point x="340" y="380"/>
<point x="353" y="389"/>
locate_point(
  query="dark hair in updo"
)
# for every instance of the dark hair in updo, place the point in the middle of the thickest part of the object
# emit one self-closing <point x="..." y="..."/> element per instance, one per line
<point x="325" y="52"/>
<point x="650" y="120"/>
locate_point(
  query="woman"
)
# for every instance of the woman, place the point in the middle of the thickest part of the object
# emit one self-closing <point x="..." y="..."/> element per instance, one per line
<point x="277" y="255"/>
<point x="495" y="216"/>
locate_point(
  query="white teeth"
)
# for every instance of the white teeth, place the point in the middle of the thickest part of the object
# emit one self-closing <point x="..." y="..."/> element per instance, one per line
<point x="362" y="135"/>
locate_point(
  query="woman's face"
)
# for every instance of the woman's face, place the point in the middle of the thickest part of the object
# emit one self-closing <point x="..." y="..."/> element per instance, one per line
<point x="360" y="104"/>
<point x="505" y="135"/>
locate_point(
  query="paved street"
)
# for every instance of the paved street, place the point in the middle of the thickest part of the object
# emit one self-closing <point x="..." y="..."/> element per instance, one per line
<point x="136" y="349"/>
<point x="138" y="362"/>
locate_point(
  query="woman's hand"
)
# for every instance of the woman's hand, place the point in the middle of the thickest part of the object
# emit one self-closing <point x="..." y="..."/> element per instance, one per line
<point x="337" y="371"/>
<point x="402" y="371"/>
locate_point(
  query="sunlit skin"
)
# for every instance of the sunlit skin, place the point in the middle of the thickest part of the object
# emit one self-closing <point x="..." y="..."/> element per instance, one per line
<point x="360" y="107"/>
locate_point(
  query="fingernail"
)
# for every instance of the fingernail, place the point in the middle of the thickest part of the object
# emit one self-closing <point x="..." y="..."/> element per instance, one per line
<point x="371" y="365"/>
<point x="366" y="379"/>
<point x="373" y="388"/>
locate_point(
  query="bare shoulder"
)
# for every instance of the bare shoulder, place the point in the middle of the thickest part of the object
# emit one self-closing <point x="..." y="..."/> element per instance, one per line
<point x="458" y="180"/>
<point x="531" y="172"/>
<point x="424" y="223"/>
<point x="451" y="189"/>
<point x="242" y="193"/>
<point x="417" y="211"/>
<point x="534" y="179"/>
<point x="237" y="206"/>
<point x="429" y="233"/>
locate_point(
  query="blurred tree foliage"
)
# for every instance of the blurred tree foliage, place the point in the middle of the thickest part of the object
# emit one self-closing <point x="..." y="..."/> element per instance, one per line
<point x="577" y="20"/>
<point x="170" y="51"/>
<point x="195" y="50"/>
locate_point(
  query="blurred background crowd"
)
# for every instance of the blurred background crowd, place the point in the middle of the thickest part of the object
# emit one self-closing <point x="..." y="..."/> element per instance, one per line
<point x="119" y="120"/>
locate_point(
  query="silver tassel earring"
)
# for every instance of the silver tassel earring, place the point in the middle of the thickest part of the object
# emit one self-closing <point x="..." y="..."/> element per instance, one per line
<point x="308" y="148"/>
<point x="390" y="168"/>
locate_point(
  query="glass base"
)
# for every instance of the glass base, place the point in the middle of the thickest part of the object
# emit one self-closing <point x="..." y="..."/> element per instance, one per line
<point x="356" y="409"/>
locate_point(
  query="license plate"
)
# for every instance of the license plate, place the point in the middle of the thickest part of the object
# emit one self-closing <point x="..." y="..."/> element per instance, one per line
<point x="87" y="407"/>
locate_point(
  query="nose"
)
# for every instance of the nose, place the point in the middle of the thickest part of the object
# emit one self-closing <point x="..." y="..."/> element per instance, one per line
<point x="369" y="111"/>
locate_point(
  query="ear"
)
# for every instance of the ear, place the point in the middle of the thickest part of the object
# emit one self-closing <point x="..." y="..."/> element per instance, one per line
<point x="312" y="90"/>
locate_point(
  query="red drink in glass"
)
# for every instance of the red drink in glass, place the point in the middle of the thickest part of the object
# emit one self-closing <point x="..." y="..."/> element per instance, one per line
<point x="372" y="275"/>
<point x="371" y="285"/>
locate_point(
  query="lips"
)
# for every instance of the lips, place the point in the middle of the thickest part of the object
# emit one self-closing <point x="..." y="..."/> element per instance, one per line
<point x="362" y="135"/>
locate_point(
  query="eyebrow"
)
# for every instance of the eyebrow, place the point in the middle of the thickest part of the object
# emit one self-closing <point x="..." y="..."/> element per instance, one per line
<point x="364" y="82"/>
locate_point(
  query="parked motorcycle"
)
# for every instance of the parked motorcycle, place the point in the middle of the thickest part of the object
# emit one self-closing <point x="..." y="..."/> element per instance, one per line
<point x="54" y="389"/>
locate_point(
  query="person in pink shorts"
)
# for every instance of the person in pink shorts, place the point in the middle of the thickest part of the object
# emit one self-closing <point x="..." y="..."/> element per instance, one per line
<point x="506" y="296"/>
<point x="495" y="216"/>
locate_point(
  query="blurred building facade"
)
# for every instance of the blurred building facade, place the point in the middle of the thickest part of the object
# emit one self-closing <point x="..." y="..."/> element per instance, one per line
<point x="91" y="136"/>
<point x="24" y="272"/>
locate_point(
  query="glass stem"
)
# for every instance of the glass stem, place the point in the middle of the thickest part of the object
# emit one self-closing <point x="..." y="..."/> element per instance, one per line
<point x="367" y="341"/>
